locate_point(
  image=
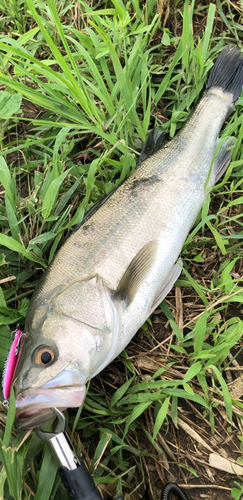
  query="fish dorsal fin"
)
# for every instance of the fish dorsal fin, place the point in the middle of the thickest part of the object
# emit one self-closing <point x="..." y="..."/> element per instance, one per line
<point x="154" y="142"/>
<point x="136" y="272"/>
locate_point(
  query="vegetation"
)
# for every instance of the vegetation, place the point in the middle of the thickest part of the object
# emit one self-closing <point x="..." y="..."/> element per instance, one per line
<point x="81" y="84"/>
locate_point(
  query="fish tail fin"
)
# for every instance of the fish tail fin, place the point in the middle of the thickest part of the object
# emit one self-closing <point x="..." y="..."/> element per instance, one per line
<point x="227" y="72"/>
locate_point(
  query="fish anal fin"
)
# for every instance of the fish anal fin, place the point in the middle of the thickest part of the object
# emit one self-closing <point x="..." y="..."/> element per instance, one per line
<point x="167" y="284"/>
<point x="136" y="272"/>
<point x="222" y="159"/>
<point x="154" y="142"/>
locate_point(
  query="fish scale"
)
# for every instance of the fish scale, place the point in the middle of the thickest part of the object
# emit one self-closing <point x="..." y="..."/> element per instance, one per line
<point x="119" y="265"/>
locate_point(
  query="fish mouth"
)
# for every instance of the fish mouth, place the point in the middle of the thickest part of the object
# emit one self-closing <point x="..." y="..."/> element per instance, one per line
<point x="34" y="405"/>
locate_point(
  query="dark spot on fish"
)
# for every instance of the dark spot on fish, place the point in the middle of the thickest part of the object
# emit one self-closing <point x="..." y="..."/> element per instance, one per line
<point x="146" y="181"/>
<point x="94" y="209"/>
<point x="89" y="226"/>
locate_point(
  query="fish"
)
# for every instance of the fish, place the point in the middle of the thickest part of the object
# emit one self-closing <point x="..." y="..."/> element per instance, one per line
<point x="119" y="265"/>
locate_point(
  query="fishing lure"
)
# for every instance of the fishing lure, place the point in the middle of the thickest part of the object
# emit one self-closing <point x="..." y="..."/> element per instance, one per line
<point x="11" y="363"/>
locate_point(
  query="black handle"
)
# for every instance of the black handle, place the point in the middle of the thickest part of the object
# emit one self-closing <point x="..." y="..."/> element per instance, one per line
<point x="173" y="488"/>
<point x="79" y="484"/>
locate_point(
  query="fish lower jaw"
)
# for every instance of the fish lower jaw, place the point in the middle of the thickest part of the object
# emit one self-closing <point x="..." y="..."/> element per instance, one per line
<point x="34" y="407"/>
<point x="28" y="420"/>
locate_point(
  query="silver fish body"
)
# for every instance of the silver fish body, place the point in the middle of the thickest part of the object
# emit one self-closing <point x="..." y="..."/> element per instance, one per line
<point x="119" y="265"/>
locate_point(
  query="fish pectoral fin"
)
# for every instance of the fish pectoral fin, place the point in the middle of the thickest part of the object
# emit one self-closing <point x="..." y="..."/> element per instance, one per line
<point x="136" y="272"/>
<point x="154" y="142"/>
<point x="167" y="284"/>
<point x="222" y="159"/>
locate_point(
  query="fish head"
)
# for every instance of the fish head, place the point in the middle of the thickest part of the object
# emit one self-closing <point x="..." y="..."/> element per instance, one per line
<point x="68" y="340"/>
<point x="50" y="373"/>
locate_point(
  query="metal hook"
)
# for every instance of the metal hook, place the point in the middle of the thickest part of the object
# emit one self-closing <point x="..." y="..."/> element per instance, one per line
<point x="75" y="476"/>
<point x="60" y="442"/>
<point x="60" y="427"/>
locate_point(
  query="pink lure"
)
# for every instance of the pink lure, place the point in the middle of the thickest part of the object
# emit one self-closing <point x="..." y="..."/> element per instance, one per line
<point x="12" y="362"/>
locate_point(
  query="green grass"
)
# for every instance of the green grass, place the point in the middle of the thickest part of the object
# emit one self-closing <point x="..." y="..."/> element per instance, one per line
<point x="80" y="90"/>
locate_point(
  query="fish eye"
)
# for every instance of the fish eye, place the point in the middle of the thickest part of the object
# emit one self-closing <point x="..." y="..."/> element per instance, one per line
<point x="44" y="355"/>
